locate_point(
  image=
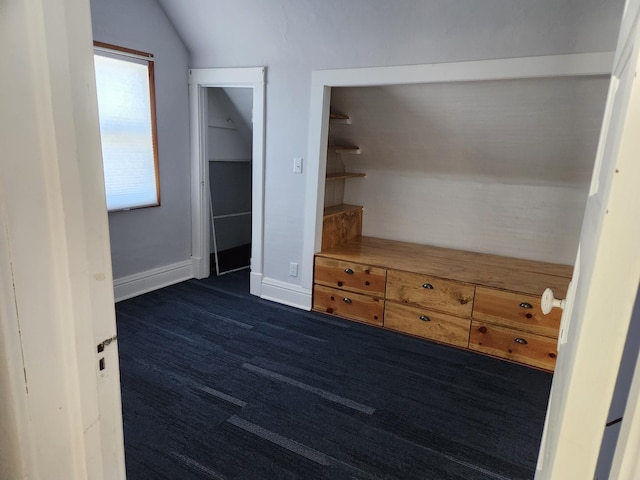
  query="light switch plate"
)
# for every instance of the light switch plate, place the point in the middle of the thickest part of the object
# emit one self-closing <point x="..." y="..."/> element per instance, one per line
<point x="297" y="165"/>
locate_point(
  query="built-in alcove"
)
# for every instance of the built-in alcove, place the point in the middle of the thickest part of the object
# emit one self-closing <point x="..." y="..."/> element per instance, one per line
<point x="496" y="171"/>
<point x="493" y="166"/>
<point x="490" y="156"/>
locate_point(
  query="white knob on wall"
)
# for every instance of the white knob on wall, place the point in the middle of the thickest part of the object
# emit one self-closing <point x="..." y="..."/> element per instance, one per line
<point x="548" y="302"/>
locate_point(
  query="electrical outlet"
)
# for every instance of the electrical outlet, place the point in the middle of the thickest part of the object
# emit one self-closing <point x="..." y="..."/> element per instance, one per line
<point x="293" y="269"/>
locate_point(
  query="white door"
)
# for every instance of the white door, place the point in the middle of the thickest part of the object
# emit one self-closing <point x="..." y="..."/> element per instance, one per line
<point x="60" y="414"/>
<point x="605" y="281"/>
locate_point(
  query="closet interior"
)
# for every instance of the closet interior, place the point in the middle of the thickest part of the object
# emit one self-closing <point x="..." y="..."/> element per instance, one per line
<point x="229" y="147"/>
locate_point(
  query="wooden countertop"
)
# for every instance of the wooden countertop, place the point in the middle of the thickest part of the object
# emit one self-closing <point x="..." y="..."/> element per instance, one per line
<point x="524" y="276"/>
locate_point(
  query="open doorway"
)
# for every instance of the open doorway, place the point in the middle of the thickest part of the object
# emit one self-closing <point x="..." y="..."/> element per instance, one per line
<point x="201" y="82"/>
<point x="229" y="161"/>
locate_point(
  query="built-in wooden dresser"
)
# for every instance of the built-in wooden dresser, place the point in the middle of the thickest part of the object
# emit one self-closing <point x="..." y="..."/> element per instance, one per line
<point x="486" y="303"/>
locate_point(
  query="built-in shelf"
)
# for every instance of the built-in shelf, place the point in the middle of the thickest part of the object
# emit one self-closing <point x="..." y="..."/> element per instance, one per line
<point x="339" y="118"/>
<point x="344" y="149"/>
<point x="341" y="223"/>
<point x="231" y="215"/>
<point x="340" y="176"/>
<point x="339" y="209"/>
<point x="235" y="160"/>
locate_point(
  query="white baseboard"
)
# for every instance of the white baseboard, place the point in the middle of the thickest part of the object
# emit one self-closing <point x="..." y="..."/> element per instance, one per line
<point x="286" y="293"/>
<point x="255" y="284"/>
<point x="144" y="282"/>
<point x="200" y="267"/>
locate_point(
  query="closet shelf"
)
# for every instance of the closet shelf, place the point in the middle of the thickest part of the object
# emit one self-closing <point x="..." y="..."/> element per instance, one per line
<point x="231" y="215"/>
<point x="339" y="118"/>
<point x="234" y="160"/>
<point x="340" y="176"/>
<point x="344" y="149"/>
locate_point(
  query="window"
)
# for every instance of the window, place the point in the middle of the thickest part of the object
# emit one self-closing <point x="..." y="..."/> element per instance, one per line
<point x="126" y="106"/>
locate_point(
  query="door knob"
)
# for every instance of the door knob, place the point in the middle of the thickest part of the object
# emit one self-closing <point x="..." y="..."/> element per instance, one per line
<point x="548" y="302"/>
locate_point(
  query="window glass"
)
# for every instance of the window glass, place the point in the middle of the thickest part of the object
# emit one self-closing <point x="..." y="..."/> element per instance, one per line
<point x="127" y="128"/>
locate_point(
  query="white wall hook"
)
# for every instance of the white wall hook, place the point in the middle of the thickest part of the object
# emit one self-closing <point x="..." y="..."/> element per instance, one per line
<point x="548" y="302"/>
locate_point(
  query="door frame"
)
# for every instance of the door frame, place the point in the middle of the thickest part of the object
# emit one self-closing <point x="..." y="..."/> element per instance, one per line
<point x="199" y="80"/>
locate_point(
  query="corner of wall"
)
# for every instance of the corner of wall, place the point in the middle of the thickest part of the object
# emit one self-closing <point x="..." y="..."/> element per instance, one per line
<point x="286" y="293"/>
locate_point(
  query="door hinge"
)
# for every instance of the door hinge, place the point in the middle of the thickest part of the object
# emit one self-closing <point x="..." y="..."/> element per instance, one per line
<point x="104" y="343"/>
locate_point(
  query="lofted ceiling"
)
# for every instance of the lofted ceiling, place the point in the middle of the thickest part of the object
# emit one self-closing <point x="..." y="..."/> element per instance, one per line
<point x="346" y="34"/>
<point x="541" y="131"/>
<point x="538" y="132"/>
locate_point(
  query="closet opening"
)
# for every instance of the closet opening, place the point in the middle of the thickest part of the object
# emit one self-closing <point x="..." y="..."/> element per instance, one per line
<point x="227" y="114"/>
<point x="229" y="164"/>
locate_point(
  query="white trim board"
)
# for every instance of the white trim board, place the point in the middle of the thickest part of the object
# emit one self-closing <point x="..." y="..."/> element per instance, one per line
<point x="323" y="80"/>
<point x="154" y="279"/>
<point x="255" y="283"/>
<point x="286" y="293"/>
<point x="199" y="80"/>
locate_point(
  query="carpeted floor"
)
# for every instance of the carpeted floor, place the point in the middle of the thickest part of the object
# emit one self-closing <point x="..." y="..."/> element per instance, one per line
<point x="219" y="384"/>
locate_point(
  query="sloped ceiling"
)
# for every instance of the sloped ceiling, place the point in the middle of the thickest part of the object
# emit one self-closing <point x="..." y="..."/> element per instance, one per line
<point x="533" y="132"/>
<point x="347" y="34"/>
<point x="242" y="101"/>
<point x="526" y="131"/>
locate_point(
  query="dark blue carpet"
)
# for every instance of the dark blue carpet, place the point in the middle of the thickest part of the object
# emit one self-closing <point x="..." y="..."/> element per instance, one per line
<point x="219" y="384"/>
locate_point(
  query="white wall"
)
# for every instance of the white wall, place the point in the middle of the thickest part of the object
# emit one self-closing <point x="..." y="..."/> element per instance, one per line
<point x="148" y="238"/>
<point x="292" y="38"/>
<point x="242" y="101"/>
<point x="520" y="221"/>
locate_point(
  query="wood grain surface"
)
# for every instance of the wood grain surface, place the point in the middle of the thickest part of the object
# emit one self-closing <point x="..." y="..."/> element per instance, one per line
<point x="538" y="351"/>
<point x="350" y="305"/>
<point x="341" y="224"/>
<point x="428" y="324"/>
<point x="505" y="273"/>
<point x="350" y="276"/>
<point x="504" y="308"/>
<point x="448" y="296"/>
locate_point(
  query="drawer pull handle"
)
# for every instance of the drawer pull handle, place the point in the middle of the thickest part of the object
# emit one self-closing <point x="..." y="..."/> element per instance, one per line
<point x="521" y="341"/>
<point x="424" y="318"/>
<point x="525" y="305"/>
<point x="348" y="271"/>
<point x="428" y="286"/>
<point x="346" y="300"/>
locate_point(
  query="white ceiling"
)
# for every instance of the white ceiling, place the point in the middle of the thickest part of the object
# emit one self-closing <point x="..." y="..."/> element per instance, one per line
<point x="530" y="132"/>
<point x="347" y="34"/>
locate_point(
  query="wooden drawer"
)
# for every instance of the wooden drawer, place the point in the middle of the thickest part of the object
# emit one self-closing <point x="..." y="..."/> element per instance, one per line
<point x="350" y="276"/>
<point x="424" y="323"/>
<point x="527" y="348"/>
<point x="515" y="310"/>
<point x="347" y="304"/>
<point x="433" y="293"/>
